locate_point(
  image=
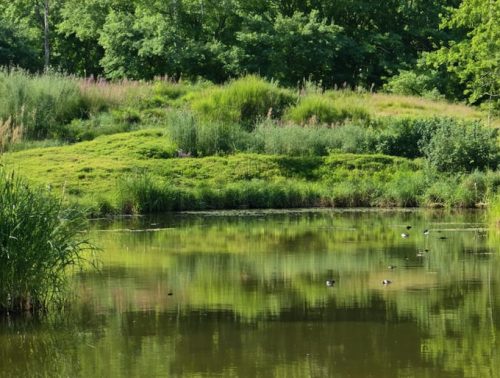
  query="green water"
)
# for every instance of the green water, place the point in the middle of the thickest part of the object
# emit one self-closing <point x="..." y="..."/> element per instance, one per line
<point x="248" y="298"/>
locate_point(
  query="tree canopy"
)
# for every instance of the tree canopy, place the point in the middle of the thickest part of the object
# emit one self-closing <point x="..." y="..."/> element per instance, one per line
<point x="340" y="42"/>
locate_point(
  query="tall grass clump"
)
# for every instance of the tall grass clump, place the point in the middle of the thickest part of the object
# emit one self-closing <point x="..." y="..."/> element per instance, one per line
<point x="40" y="104"/>
<point x="311" y="140"/>
<point x="293" y="140"/>
<point x="244" y="101"/>
<point x="102" y="95"/>
<point x="205" y="137"/>
<point x="323" y="109"/>
<point x="39" y="240"/>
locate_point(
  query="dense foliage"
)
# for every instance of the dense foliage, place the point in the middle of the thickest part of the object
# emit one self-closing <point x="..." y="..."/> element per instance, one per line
<point x="39" y="240"/>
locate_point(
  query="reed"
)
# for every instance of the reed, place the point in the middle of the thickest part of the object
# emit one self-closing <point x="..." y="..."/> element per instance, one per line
<point x="40" y="240"/>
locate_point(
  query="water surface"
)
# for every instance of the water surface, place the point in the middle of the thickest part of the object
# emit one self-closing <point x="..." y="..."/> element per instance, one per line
<point x="243" y="294"/>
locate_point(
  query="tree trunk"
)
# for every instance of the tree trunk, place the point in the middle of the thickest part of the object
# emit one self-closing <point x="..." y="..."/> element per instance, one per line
<point x="46" y="43"/>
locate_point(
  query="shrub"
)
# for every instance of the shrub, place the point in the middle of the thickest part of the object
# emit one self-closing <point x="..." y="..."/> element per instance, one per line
<point x="321" y="109"/>
<point x="356" y="139"/>
<point x="462" y="146"/>
<point x="406" y="136"/>
<point x="41" y="105"/>
<point x="410" y="83"/>
<point x="39" y="239"/>
<point x="244" y="101"/>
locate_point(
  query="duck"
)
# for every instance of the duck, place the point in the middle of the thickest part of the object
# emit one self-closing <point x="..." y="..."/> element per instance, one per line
<point x="426" y="232"/>
<point x="386" y="282"/>
<point x="404" y="235"/>
<point x="408" y="227"/>
<point x="330" y="282"/>
<point x="392" y="267"/>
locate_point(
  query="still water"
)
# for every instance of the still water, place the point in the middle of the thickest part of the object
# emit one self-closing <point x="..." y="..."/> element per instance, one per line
<point x="243" y="294"/>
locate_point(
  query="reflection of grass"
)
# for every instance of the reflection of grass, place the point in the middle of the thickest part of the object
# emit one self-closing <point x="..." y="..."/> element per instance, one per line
<point x="260" y="266"/>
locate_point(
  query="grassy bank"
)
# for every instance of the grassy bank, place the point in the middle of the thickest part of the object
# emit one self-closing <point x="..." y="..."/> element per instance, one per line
<point x="138" y="172"/>
<point x="116" y="147"/>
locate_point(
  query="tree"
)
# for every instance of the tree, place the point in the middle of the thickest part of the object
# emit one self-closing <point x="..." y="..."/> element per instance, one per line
<point x="475" y="58"/>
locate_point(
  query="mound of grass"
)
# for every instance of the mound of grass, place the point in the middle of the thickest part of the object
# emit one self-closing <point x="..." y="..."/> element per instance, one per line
<point x="323" y="109"/>
<point x="39" y="240"/>
<point x="243" y="101"/>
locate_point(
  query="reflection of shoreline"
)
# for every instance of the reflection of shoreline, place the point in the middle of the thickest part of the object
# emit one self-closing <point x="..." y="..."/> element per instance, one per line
<point x="249" y="299"/>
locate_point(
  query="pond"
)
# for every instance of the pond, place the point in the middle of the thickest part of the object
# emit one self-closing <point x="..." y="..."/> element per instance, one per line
<point x="244" y="294"/>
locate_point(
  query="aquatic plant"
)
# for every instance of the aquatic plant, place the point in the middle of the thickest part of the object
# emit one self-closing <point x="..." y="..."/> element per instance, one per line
<point x="40" y="239"/>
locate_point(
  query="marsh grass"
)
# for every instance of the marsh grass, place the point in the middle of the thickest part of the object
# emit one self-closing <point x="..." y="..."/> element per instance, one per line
<point x="40" y="240"/>
<point x="39" y="104"/>
<point x="102" y="95"/>
<point x="146" y="193"/>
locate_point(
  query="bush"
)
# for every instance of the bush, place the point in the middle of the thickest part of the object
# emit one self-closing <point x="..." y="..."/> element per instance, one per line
<point x="40" y="105"/>
<point x="243" y="101"/>
<point x="462" y="146"/>
<point x="410" y="83"/>
<point x="39" y="240"/>
<point x="406" y="136"/>
<point x="321" y="109"/>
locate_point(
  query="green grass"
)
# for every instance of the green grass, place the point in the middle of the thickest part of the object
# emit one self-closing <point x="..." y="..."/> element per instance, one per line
<point x="243" y="101"/>
<point x="323" y="109"/>
<point x="139" y="172"/>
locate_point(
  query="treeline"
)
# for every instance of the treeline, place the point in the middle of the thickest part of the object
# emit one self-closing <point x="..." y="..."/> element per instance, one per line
<point x="341" y="42"/>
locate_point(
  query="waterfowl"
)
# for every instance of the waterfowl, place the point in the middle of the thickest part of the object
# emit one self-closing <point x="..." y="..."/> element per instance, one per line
<point x="404" y="235"/>
<point x="391" y="267"/>
<point x="330" y="282"/>
<point x="426" y="232"/>
<point x="443" y="238"/>
<point x="170" y="293"/>
<point x="386" y="282"/>
<point x="408" y="227"/>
